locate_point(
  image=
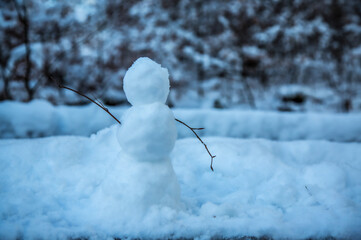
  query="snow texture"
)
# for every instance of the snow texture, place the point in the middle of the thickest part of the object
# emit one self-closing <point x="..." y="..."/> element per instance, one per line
<point x="40" y="118"/>
<point x="86" y="187"/>
<point x="146" y="82"/>
<point x="148" y="132"/>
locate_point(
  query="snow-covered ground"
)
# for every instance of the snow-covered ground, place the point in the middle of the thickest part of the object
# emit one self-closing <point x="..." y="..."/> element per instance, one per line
<point x="127" y="181"/>
<point x="40" y="118"/>
<point x="71" y="186"/>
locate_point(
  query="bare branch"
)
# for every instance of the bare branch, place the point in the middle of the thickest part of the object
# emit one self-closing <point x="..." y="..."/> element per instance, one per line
<point x="90" y="99"/>
<point x="205" y="145"/>
<point x="100" y="102"/>
<point x="308" y="191"/>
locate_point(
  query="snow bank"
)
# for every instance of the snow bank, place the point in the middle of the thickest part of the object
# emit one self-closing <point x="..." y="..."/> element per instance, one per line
<point x="273" y="125"/>
<point x="39" y="118"/>
<point x="21" y="120"/>
<point x="80" y="187"/>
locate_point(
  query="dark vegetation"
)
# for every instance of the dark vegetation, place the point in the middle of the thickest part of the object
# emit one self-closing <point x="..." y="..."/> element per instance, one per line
<point x="219" y="54"/>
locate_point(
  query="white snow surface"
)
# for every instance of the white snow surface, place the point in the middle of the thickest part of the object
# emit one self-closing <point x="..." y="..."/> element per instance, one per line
<point x="146" y="82"/>
<point x="40" y="118"/>
<point x="60" y="187"/>
<point x="148" y="132"/>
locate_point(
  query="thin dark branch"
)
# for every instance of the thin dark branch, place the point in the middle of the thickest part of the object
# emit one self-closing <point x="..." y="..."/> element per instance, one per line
<point x="100" y="102"/>
<point x="93" y="101"/>
<point x="205" y="145"/>
<point x="308" y="191"/>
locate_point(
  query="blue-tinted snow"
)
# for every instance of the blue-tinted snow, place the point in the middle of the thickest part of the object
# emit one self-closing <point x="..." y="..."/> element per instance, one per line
<point x="39" y="118"/>
<point x="61" y="187"/>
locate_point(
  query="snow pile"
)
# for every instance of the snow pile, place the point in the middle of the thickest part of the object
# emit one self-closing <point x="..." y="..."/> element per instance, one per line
<point x="290" y="190"/>
<point x="84" y="187"/>
<point x="39" y="118"/>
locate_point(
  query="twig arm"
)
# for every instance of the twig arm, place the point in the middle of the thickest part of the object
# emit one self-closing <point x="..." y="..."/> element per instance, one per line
<point x="102" y="107"/>
<point x="93" y="101"/>
<point x="205" y="145"/>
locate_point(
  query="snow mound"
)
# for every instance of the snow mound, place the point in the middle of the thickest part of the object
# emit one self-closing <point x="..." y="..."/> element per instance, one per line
<point x="148" y="132"/>
<point x="146" y="82"/>
<point x="86" y="187"/>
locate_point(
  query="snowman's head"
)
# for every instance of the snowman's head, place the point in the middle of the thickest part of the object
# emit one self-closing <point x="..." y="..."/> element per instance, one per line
<point x="146" y="82"/>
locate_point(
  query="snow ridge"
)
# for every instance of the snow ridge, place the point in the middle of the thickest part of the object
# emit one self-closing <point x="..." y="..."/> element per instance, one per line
<point x="40" y="118"/>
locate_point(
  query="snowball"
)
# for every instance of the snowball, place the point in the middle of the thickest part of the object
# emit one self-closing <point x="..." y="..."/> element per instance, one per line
<point x="148" y="132"/>
<point x="146" y="82"/>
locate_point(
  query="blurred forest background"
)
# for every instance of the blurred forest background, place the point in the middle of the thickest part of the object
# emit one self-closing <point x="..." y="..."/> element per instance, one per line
<point x="300" y="55"/>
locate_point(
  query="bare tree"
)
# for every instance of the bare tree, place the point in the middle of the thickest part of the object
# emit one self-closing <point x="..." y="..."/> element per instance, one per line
<point x="4" y="59"/>
<point x="23" y="17"/>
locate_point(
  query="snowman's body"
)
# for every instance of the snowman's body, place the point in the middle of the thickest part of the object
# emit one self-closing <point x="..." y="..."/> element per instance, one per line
<point x="147" y="136"/>
<point x="148" y="132"/>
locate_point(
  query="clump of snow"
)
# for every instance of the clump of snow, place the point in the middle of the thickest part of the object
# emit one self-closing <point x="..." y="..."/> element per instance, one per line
<point x="146" y="82"/>
<point x="148" y="132"/>
<point x="87" y="187"/>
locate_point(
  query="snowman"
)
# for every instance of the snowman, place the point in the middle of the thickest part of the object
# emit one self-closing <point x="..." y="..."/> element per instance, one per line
<point x="146" y="137"/>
